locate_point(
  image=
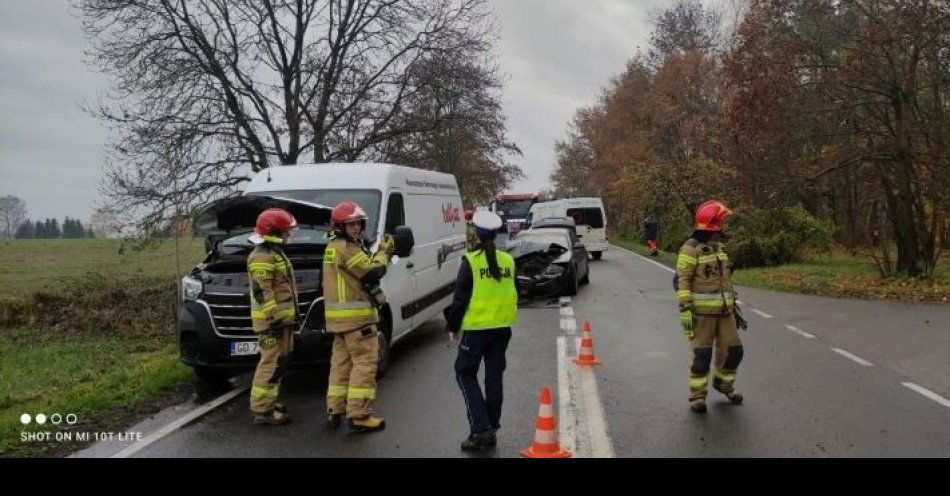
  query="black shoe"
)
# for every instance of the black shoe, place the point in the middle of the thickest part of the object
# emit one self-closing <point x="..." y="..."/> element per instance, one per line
<point x="480" y="442"/>
<point x="334" y="420"/>
<point x="698" y="406"/>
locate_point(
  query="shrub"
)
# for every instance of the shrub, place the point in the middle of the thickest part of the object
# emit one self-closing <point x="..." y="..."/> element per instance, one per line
<point x="775" y="236"/>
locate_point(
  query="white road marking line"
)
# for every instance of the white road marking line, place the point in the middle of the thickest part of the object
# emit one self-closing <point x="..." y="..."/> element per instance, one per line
<point x="928" y="393"/>
<point x="566" y="420"/>
<point x="567" y="311"/>
<point x="852" y="356"/>
<point x="654" y="262"/>
<point x="568" y="325"/>
<point x="799" y="331"/>
<point x="599" y="444"/>
<point x="173" y="426"/>
<point x="763" y="314"/>
<point x="565" y="300"/>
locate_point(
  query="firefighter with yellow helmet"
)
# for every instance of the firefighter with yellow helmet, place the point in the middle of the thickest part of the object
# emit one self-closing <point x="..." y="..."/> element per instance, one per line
<point x="707" y="307"/>
<point x="273" y="312"/>
<point x="349" y="270"/>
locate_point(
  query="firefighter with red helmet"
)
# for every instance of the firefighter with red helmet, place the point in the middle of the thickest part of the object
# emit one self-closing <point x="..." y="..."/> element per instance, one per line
<point x="707" y="307"/>
<point x="350" y="274"/>
<point x="470" y="238"/>
<point x="273" y="311"/>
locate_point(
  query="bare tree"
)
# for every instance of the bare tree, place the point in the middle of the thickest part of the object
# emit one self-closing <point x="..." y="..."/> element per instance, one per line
<point x="12" y="214"/>
<point x="231" y="87"/>
<point x="460" y="126"/>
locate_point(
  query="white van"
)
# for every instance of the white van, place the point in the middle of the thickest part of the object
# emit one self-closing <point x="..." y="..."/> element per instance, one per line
<point x="214" y="326"/>
<point x="588" y="215"/>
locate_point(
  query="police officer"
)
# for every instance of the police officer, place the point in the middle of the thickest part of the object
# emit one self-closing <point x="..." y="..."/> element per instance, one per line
<point x="485" y="308"/>
<point x="707" y="307"/>
<point x="350" y="272"/>
<point x="273" y="311"/>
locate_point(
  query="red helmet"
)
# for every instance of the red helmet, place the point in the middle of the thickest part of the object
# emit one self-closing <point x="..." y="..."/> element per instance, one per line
<point x="347" y="212"/>
<point x="274" y="221"/>
<point x="711" y="215"/>
<point x="468" y="215"/>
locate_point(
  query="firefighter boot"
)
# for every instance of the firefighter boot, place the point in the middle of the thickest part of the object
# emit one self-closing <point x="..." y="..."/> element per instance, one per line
<point x="479" y="442"/>
<point x="273" y="417"/>
<point x="368" y="423"/>
<point x="334" y="420"/>
<point x="734" y="397"/>
<point x="698" y="406"/>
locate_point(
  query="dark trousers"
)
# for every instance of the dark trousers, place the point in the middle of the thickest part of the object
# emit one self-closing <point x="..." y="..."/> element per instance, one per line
<point x="484" y="412"/>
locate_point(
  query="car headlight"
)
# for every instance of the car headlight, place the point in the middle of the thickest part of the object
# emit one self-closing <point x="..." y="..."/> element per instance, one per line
<point x="190" y="288"/>
<point x="553" y="271"/>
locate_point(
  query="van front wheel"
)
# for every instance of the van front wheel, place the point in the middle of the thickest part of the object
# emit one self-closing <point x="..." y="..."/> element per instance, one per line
<point x="597" y="254"/>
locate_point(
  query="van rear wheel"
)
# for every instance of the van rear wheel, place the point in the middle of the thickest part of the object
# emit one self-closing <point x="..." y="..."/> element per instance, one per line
<point x="597" y="254"/>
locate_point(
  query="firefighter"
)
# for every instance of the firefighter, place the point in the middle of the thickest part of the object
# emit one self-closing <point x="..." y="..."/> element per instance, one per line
<point x="351" y="276"/>
<point x="651" y="231"/>
<point x="485" y="308"/>
<point x="470" y="238"/>
<point x="707" y="307"/>
<point x="273" y="312"/>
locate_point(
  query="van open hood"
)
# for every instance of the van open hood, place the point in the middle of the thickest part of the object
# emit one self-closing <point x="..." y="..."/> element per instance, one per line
<point x="239" y="213"/>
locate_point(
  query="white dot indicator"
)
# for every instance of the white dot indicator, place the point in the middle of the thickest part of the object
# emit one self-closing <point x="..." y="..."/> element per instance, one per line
<point x="41" y="419"/>
<point x="25" y="419"/>
<point x="56" y="419"/>
<point x="71" y="418"/>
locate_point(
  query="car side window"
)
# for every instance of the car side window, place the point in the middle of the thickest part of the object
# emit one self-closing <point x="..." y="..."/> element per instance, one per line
<point x="395" y="213"/>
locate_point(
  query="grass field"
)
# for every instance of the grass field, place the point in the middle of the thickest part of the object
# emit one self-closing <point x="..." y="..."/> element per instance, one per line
<point x="29" y="265"/>
<point x="837" y="273"/>
<point x="106" y="378"/>
<point x="101" y="381"/>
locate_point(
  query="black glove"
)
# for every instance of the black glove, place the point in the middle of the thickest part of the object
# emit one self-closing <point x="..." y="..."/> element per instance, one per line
<point x="741" y="322"/>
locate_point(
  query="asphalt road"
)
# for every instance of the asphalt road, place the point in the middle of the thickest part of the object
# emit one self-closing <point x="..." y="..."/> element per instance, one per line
<point x="821" y="377"/>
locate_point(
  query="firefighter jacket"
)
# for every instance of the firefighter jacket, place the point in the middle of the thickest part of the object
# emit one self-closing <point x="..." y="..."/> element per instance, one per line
<point x="704" y="279"/>
<point x="273" y="291"/>
<point x="347" y="269"/>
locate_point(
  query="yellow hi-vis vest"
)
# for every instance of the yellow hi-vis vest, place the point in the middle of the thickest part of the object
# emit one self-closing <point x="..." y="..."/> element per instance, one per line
<point x="494" y="303"/>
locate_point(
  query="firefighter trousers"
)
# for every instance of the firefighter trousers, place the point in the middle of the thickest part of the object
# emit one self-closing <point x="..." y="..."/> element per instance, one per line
<point x="265" y="387"/>
<point x="719" y="332"/>
<point x="352" y="385"/>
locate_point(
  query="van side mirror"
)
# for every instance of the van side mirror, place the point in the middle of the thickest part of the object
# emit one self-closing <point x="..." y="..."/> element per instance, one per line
<point x="404" y="241"/>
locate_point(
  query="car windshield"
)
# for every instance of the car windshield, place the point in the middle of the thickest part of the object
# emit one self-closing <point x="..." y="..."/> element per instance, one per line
<point x="516" y="208"/>
<point x="368" y="199"/>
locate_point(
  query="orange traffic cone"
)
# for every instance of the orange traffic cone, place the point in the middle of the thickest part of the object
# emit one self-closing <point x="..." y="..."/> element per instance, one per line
<point x="546" y="444"/>
<point x="585" y="356"/>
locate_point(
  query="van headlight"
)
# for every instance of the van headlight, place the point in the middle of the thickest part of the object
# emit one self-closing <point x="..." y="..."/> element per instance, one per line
<point x="190" y="288"/>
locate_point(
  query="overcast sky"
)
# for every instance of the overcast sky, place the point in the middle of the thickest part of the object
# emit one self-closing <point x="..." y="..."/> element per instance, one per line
<point x="557" y="55"/>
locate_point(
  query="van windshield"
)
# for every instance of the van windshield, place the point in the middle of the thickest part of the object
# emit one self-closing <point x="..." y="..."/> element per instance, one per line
<point x="515" y="208"/>
<point x="589" y="216"/>
<point x="299" y="236"/>
<point x="367" y="199"/>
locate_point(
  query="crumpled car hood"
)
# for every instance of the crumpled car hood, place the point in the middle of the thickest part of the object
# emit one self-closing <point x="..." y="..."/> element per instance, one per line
<point x="519" y="247"/>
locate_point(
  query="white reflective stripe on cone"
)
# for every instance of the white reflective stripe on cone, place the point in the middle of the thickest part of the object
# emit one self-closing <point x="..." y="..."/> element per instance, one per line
<point x="546" y="411"/>
<point x="545" y="437"/>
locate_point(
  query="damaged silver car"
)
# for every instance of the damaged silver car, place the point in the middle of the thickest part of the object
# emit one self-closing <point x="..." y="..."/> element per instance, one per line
<point x="550" y="262"/>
